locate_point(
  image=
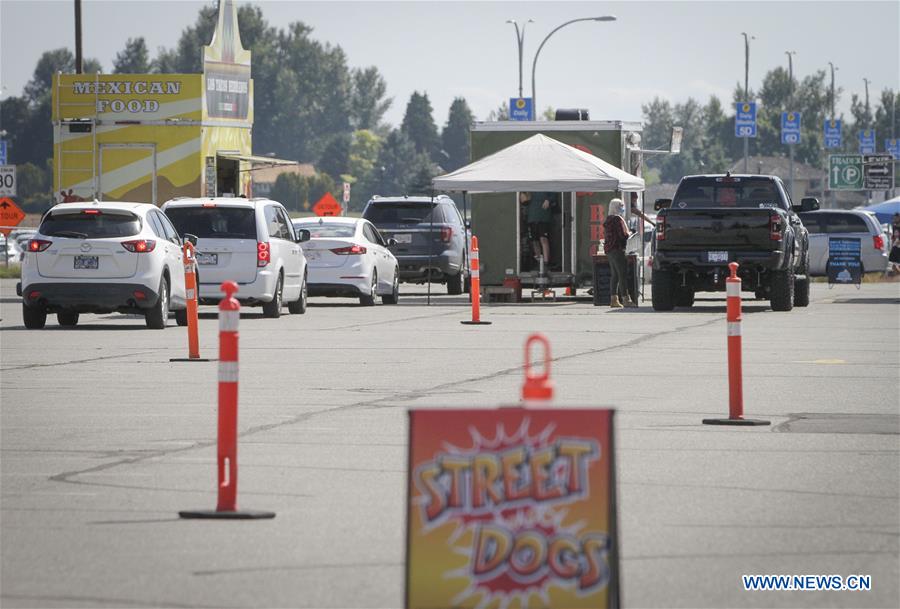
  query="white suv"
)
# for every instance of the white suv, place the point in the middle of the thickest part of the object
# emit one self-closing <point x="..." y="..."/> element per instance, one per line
<point x="100" y="258"/>
<point x="250" y="242"/>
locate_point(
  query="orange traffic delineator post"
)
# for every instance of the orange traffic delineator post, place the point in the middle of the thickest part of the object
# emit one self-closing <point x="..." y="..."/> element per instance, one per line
<point x="735" y="374"/>
<point x="537" y="387"/>
<point x="226" y="508"/>
<point x="475" y="289"/>
<point x="190" y="289"/>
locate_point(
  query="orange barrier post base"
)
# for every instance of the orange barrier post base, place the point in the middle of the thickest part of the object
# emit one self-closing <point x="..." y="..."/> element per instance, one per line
<point x="227" y="470"/>
<point x="735" y="374"/>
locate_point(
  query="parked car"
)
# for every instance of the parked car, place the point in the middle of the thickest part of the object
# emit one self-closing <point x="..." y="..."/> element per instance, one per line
<point x="249" y="241"/>
<point x="102" y="258"/>
<point x="714" y="220"/>
<point x="825" y="224"/>
<point x="349" y="257"/>
<point x="430" y="238"/>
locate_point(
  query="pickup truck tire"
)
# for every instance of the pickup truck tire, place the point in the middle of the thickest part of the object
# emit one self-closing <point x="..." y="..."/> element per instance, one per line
<point x="684" y="297"/>
<point x="801" y="292"/>
<point x="662" y="290"/>
<point x="782" y="296"/>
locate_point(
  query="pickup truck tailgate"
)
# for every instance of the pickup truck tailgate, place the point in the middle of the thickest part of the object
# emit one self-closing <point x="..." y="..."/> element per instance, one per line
<point x="746" y="229"/>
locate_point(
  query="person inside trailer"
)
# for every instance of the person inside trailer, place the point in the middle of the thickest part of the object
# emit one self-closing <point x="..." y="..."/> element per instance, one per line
<point x="539" y="208"/>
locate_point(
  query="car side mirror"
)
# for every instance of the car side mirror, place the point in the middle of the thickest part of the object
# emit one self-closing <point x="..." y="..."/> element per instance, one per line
<point x="392" y="241"/>
<point x="302" y="235"/>
<point x="662" y="204"/>
<point x="192" y="239"/>
<point x="809" y="204"/>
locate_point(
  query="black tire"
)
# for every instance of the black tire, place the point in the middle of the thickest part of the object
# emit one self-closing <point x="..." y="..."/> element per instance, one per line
<point x="782" y="294"/>
<point x="35" y="317"/>
<point x="181" y="317"/>
<point x="67" y="318"/>
<point x="368" y="300"/>
<point x="662" y="290"/>
<point x="158" y="317"/>
<point x="455" y="284"/>
<point x="298" y="307"/>
<point x="801" y="292"/>
<point x="272" y="309"/>
<point x="394" y="297"/>
<point x="467" y="284"/>
<point x="684" y="296"/>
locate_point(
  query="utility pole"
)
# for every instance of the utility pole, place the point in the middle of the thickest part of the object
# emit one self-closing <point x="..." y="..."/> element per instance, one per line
<point x="790" y="55"/>
<point x="79" y="63"/>
<point x="747" y="39"/>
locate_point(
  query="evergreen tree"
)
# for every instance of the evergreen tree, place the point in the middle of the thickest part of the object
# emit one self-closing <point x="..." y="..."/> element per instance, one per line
<point x="133" y="59"/>
<point x="455" y="136"/>
<point x="335" y="159"/>
<point x="418" y="125"/>
<point x="369" y="103"/>
<point x="397" y="165"/>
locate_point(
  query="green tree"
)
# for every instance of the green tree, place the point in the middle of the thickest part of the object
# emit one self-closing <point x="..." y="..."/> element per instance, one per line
<point x="500" y="114"/>
<point x="368" y="102"/>
<point x="133" y="59"/>
<point x="364" y="150"/>
<point x="397" y="166"/>
<point x="455" y="136"/>
<point x="291" y="190"/>
<point x="335" y="159"/>
<point x="418" y="125"/>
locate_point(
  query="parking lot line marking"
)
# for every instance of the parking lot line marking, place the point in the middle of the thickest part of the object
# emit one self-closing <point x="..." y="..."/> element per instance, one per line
<point x="826" y="362"/>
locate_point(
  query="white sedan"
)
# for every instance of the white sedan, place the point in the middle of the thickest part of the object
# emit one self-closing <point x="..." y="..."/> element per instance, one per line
<point x="349" y="257"/>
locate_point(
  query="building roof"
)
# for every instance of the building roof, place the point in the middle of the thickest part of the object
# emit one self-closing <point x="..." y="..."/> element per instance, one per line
<point x="270" y="174"/>
<point x="779" y="166"/>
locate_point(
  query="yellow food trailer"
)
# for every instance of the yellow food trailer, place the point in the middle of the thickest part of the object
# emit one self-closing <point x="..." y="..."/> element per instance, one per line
<point x="151" y="137"/>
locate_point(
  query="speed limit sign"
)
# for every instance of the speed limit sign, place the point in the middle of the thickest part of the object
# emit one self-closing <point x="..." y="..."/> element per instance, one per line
<point x="7" y="180"/>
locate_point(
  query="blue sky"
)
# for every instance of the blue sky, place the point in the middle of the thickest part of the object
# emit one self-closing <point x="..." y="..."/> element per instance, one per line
<point x="673" y="49"/>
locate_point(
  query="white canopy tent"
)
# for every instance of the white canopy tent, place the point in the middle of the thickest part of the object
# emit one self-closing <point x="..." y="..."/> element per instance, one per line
<point x="539" y="163"/>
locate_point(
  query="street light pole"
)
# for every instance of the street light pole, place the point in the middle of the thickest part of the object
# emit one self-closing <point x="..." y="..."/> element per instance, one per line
<point x="790" y="56"/>
<point x="868" y="120"/>
<point x="747" y="39"/>
<point x="544" y="41"/>
<point x="520" y="40"/>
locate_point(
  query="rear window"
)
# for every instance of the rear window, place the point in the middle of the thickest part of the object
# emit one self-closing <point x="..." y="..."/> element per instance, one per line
<point x="214" y="222"/>
<point x="90" y="225"/>
<point x="326" y="230"/>
<point x="403" y="213"/>
<point x="727" y="192"/>
<point x="828" y="223"/>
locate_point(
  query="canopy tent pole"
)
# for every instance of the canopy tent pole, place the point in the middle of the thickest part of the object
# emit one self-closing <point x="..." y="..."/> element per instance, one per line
<point x="430" y="243"/>
<point x="466" y="238"/>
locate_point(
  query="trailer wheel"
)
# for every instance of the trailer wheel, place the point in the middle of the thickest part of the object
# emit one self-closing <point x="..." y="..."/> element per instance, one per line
<point x="662" y="290"/>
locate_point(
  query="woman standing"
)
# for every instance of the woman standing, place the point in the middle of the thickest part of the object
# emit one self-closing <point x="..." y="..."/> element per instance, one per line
<point x="614" y="247"/>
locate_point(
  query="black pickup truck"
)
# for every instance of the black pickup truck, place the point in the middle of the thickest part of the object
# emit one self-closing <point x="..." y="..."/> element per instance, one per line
<point x="716" y="219"/>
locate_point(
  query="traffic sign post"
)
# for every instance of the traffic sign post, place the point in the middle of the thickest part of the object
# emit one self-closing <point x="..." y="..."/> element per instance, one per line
<point x="832" y="133"/>
<point x="7" y="181"/>
<point x="845" y="172"/>
<point x="878" y="172"/>
<point x="3" y="152"/>
<point x="790" y="128"/>
<point x="745" y="119"/>
<point x="520" y="109"/>
<point x="867" y="141"/>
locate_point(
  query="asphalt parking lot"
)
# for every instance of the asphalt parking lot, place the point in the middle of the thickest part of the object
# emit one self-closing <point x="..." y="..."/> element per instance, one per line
<point x="104" y="441"/>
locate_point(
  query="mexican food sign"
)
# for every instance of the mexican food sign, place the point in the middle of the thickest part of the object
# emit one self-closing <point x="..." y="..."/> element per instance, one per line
<point x="511" y="507"/>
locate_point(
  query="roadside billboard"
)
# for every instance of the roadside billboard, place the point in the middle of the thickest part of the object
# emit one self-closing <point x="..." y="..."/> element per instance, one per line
<point x="511" y="507"/>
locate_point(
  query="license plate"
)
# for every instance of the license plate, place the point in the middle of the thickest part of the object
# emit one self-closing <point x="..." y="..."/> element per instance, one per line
<point x="207" y="258"/>
<point x="401" y="238"/>
<point x="717" y="256"/>
<point x="87" y="262"/>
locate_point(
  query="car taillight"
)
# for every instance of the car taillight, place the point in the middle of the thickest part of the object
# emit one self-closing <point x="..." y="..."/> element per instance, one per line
<point x="38" y="245"/>
<point x="349" y="250"/>
<point x="775" y="227"/>
<point x="263" y="255"/>
<point x="446" y="234"/>
<point x="878" y="242"/>
<point x="140" y="246"/>
<point x="91" y="212"/>
<point x="661" y="228"/>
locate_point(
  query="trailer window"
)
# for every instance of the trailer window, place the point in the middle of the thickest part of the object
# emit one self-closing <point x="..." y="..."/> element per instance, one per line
<point x="727" y="192"/>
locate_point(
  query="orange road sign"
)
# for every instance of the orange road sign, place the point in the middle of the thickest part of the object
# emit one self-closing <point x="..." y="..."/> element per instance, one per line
<point x="10" y="215"/>
<point x="327" y="206"/>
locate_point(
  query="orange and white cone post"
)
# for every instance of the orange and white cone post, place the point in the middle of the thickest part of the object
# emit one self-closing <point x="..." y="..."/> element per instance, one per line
<point x="229" y="318"/>
<point x="735" y="373"/>
<point x="190" y="289"/>
<point x="475" y="289"/>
